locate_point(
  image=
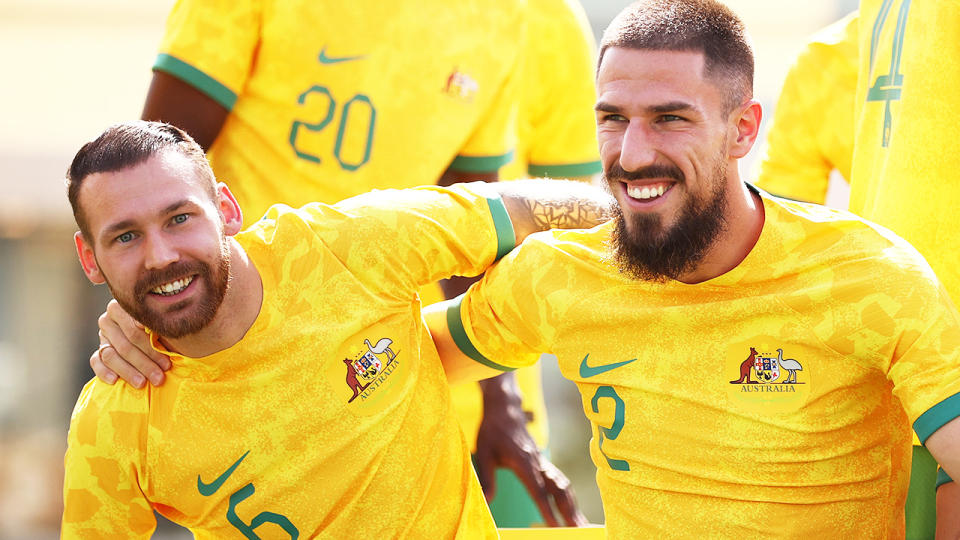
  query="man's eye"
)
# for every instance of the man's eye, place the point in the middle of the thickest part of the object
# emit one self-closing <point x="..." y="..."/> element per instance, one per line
<point x="670" y="118"/>
<point x="614" y="118"/>
<point x="125" y="237"/>
<point x="179" y="218"/>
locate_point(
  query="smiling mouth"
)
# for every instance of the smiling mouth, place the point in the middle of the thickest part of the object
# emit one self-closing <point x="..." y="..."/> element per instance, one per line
<point x="173" y="287"/>
<point x="648" y="192"/>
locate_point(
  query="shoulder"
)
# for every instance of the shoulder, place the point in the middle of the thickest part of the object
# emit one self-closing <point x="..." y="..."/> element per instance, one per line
<point x="840" y="240"/>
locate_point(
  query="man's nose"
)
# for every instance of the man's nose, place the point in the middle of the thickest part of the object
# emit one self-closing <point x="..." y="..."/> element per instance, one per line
<point x="638" y="149"/>
<point x="159" y="252"/>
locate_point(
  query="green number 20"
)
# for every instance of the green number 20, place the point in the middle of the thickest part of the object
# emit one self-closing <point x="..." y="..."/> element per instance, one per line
<point x="613" y="431"/>
<point x="319" y="126"/>
<point x="887" y="87"/>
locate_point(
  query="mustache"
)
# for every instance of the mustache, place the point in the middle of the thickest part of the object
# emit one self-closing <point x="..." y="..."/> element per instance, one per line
<point x="155" y="278"/>
<point x="616" y="172"/>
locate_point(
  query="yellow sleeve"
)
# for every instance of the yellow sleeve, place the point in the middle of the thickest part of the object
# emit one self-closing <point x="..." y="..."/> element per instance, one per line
<point x="397" y="240"/>
<point x="211" y="44"/>
<point x="812" y="129"/>
<point x="924" y="351"/>
<point x="491" y="145"/>
<point x="557" y="129"/>
<point x="505" y="316"/>
<point x="102" y="497"/>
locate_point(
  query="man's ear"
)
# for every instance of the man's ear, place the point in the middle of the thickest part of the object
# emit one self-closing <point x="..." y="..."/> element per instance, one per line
<point x="87" y="259"/>
<point x="229" y="210"/>
<point x="747" y="126"/>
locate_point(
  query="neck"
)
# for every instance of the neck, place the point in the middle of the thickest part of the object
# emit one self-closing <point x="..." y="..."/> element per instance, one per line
<point x="236" y="314"/>
<point x="744" y="219"/>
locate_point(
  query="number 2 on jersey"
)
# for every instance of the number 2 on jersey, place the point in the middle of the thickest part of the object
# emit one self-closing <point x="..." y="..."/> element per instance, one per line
<point x="612" y="432"/>
<point x="356" y="100"/>
<point x="888" y="87"/>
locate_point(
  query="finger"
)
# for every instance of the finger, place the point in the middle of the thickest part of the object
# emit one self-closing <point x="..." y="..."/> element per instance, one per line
<point x="563" y="496"/>
<point x="102" y="372"/>
<point x="529" y="472"/>
<point x="126" y="360"/>
<point x="486" y="473"/>
<point x="134" y="333"/>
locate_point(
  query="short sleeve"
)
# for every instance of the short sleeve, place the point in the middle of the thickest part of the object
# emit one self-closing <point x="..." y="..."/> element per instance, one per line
<point x="506" y="315"/>
<point x="101" y="492"/>
<point x="559" y="94"/>
<point x="399" y="240"/>
<point x="925" y="365"/>
<point x="211" y="45"/>
<point x="812" y="129"/>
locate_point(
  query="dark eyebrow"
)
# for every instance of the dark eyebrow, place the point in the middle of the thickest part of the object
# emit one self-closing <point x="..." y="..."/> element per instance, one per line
<point x="671" y="106"/>
<point x="115" y="228"/>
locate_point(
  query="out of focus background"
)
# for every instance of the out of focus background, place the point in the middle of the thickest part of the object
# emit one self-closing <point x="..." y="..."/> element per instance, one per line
<point x="70" y="69"/>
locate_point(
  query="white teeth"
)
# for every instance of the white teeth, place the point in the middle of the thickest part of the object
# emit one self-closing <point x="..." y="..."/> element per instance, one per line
<point x="645" y="192"/>
<point x="174" y="287"/>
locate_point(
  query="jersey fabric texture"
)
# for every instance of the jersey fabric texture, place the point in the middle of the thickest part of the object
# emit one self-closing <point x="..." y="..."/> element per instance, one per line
<point x="331" y="99"/>
<point x="784" y="389"/>
<point x="904" y="164"/>
<point x="812" y="129"/>
<point x="557" y="135"/>
<point x="331" y="414"/>
<point x="557" y="138"/>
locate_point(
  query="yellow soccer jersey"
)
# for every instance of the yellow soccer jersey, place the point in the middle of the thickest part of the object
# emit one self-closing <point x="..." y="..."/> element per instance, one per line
<point x="905" y="161"/>
<point x="331" y="99"/>
<point x="812" y="129"/>
<point x="772" y="401"/>
<point x="557" y="138"/>
<point x="557" y="135"/>
<point x="331" y="416"/>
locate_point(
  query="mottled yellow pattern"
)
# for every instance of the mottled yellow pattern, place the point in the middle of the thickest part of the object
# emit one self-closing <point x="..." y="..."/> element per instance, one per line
<point x="812" y="129"/>
<point x="556" y="124"/>
<point x="910" y="184"/>
<point x="436" y="92"/>
<point x="685" y="447"/>
<point x="273" y="415"/>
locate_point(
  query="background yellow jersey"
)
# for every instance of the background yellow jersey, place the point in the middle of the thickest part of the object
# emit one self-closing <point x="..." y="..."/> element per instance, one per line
<point x="812" y="129"/>
<point x="905" y="161"/>
<point x="556" y="138"/>
<point x="557" y="134"/>
<point x="367" y="96"/>
<point x="331" y="416"/>
<point x="773" y="400"/>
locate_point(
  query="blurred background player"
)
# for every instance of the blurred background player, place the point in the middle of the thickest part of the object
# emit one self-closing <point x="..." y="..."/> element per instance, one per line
<point x="556" y="138"/>
<point x="363" y="98"/>
<point x="812" y="135"/>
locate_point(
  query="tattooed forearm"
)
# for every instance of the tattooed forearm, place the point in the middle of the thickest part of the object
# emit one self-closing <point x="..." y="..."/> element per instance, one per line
<point x="538" y="205"/>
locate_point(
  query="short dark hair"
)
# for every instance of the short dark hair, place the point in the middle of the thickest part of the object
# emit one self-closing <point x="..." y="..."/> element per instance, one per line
<point x="126" y="145"/>
<point x="705" y="26"/>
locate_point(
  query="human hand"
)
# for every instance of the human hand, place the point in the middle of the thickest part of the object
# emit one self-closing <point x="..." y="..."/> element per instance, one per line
<point x="503" y="441"/>
<point x="125" y="351"/>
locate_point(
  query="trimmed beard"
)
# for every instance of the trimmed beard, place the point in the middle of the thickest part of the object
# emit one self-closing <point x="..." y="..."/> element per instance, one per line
<point x="167" y="324"/>
<point x="647" y="252"/>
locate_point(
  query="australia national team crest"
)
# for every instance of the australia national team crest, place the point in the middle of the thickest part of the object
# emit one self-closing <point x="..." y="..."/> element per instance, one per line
<point x="461" y="85"/>
<point x="766" y="372"/>
<point x="370" y="368"/>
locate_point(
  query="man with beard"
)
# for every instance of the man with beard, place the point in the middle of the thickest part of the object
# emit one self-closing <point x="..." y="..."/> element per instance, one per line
<point x="846" y="331"/>
<point x="304" y="397"/>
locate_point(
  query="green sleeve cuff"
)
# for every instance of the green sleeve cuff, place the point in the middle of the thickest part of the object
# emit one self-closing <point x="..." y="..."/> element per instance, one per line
<point x="213" y="88"/>
<point x="943" y="477"/>
<point x="455" y="324"/>
<point x="506" y="236"/>
<point x="480" y="164"/>
<point x="565" y="171"/>
<point x="936" y="417"/>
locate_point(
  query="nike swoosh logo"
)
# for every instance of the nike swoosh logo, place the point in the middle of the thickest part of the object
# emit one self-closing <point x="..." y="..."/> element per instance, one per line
<point x="587" y="371"/>
<point x="324" y="59"/>
<point x="206" y="489"/>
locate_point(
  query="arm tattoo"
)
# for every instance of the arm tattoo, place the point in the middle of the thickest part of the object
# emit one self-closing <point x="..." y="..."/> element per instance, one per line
<point x="567" y="214"/>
